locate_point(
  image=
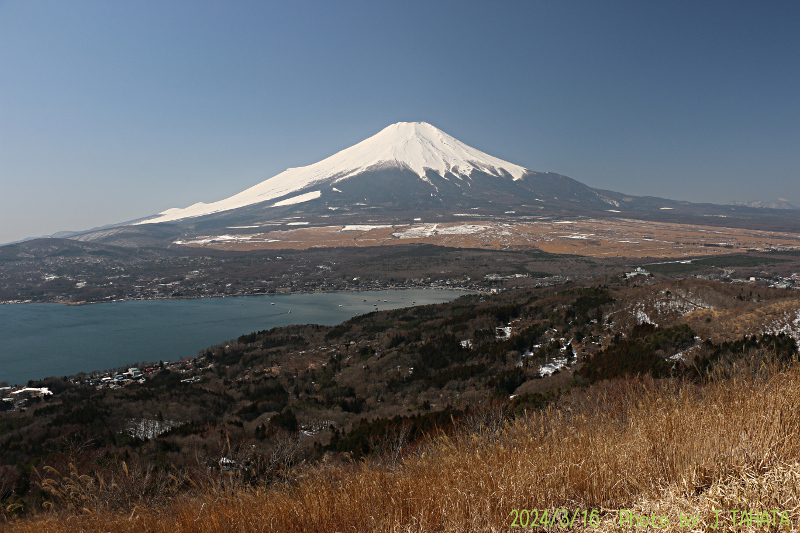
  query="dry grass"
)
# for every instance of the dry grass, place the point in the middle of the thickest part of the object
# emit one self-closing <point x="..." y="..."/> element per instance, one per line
<point x="617" y="237"/>
<point x="664" y="448"/>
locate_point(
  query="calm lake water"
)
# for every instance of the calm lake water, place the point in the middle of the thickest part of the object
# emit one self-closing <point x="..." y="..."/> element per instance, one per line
<point x="43" y="340"/>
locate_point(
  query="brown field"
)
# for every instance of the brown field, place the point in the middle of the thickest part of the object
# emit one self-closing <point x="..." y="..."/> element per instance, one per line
<point x="667" y="449"/>
<point x="588" y="237"/>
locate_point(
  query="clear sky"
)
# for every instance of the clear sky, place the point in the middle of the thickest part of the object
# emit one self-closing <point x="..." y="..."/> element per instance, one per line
<point x="111" y="111"/>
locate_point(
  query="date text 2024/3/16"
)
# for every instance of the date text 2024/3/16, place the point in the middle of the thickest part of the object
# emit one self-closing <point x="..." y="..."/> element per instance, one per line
<point x="591" y="518"/>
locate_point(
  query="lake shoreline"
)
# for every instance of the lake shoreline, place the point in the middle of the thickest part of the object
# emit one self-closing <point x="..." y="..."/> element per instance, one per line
<point x="48" y="340"/>
<point x="168" y="298"/>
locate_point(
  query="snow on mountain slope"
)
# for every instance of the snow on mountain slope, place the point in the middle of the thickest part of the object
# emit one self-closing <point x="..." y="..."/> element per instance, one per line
<point x="417" y="146"/>
<point x="313" y="195"/>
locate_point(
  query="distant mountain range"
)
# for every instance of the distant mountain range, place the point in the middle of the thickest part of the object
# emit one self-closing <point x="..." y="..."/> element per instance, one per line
<point x="410" y="172"/>
<point x="780" y="204"/>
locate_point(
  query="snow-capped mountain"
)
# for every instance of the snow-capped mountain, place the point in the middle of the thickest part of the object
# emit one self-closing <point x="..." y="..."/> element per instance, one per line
<point x="407" y="173"/>
<point x="415" y="146"/>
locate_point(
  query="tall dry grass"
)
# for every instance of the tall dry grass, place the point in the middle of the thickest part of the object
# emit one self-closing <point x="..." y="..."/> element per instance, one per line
<point x="652" y="447"/>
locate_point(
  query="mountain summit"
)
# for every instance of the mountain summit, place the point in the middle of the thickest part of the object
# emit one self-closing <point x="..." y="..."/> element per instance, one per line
<point x="414" y="146"/>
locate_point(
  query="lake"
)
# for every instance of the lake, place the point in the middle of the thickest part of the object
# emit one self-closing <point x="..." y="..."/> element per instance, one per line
<point x="43" y="340"/>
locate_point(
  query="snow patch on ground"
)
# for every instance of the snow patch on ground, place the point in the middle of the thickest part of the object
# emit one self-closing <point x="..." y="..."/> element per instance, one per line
<point x="146" y="429"/>
<point x="217" y="238"/>
<point x="226" y="239"/>
<point x="363" y="227"/>
<point x="466" y="229"/>
<point x="682" y="356"/>
<point x="681" y="306"/>
<point x="642" y="317"/>
<point x="550" y="368"/>
<point x="666" y="308"/>
<point x="429" y="230"/>
<point x="788" y="324"/>
<point x="417" y="232"/>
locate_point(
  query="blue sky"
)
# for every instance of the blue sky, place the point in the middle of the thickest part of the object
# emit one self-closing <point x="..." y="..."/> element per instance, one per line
<point x="111" y="111"/>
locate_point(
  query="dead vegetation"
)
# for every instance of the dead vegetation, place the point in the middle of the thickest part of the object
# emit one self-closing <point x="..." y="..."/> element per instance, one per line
<point x="581" y="236"/>
<point x="647" y="446"/>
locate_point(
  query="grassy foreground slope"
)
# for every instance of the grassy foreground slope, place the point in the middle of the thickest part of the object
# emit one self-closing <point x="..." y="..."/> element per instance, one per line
<point x="651" y="446"/>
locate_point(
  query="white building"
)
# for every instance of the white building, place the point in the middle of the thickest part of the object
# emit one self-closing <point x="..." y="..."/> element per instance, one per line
<point x="638" y="272"/>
